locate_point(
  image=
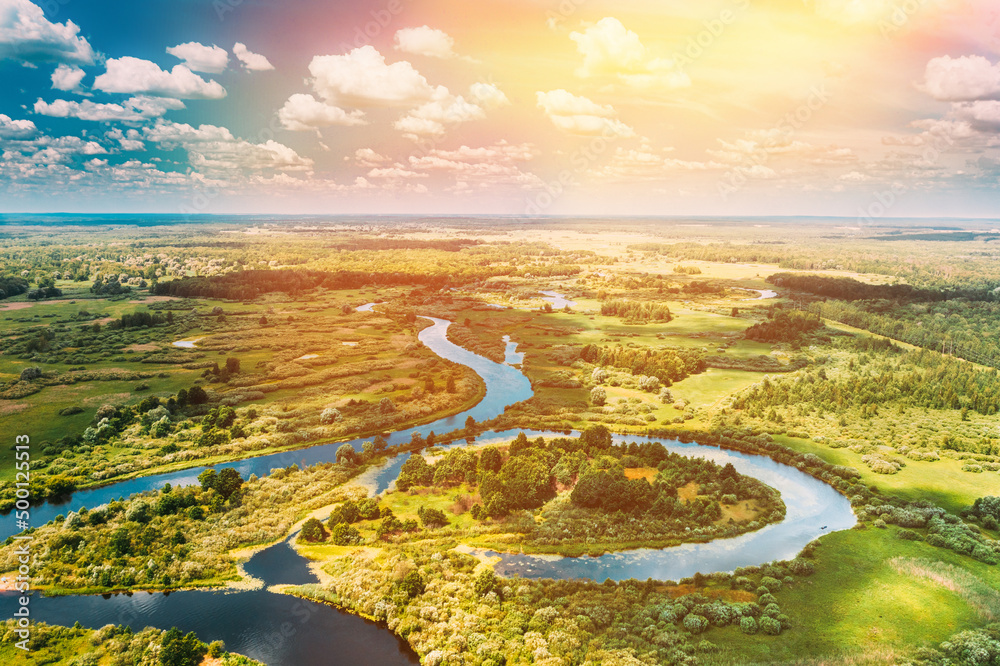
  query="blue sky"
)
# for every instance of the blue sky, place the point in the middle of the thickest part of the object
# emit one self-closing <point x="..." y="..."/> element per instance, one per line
<point x="828" y="107"/>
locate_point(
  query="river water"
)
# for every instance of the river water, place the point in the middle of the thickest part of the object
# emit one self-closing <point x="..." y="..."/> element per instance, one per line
<point x="282" y="630"/>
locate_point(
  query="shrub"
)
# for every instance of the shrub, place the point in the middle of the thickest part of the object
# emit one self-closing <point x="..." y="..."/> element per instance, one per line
<point x="695" y="623"/>
<point x="770" y="626"/>
<point x="345" y="535"/>
<point x="748" y="625"/>
<point x="330" y="415"/>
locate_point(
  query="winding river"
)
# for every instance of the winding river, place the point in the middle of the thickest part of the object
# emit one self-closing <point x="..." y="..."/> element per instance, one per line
<point x="279" y="629"/>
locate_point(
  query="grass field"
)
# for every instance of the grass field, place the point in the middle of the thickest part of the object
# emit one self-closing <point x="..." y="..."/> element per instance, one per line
<point x="857" y="603"/>
<point x="942" y="482"/>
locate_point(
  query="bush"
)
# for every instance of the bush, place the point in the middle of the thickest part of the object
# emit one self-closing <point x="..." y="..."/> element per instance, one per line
<point x="330" y="415"/>
<point x="770" y="626"/>
<point x="748" y="625"/>
<point x="345" y="535"/>
<point x="695" y="623"/>
<point x="312" y="531"/>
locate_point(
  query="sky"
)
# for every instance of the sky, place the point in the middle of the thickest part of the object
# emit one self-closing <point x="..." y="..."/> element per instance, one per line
<point x="866" y="109"/>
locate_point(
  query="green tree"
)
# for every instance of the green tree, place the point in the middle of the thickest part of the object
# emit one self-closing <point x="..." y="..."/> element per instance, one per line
<point x="177" y="649"/>
<point x="229" y="482"/>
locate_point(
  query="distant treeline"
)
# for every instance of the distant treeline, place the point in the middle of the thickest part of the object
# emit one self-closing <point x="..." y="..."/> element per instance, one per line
<point x="248" y="285"/>
<point x="784" y="326"/>
<point x="12" y="286"/>
<point x="636" y="310"/>
<point x="849" y="289"/>
<point x="446" y="245"/>
<point x="667" y="365"/>
<point x="141" y="320"/>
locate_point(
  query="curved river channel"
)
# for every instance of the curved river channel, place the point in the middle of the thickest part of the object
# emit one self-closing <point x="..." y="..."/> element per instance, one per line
<point x="282" y="630"/>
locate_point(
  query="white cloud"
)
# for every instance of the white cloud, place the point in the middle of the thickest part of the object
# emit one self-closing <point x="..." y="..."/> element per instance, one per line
<point x="644" y="164"/>
<point x="304" y="112"/>
<point x="487" y="95"/>
<point x="578" y="115"/>
<point x="135" y="109"/>
<point x="369" y="158"/>
<point x="212" y="149"/>
<point x="67" y="77"/>
<point x="984" y="115"/>
<point x="425" y="41"/>
<point x="434" y="117"/>
<point x="362" y="78"/>
<point x="130" y="141"/>
<point x="251" y="61"/>
<point x="484" y="166"/>
<point x="609" y="48"/>
<point x="134" y="75"/>
<point x="15" y="129"/>
<point x="761" y="145"/>
<point x="962" y="79"/>
<point x="200" y="58"/>
<point x="25" y="34"/>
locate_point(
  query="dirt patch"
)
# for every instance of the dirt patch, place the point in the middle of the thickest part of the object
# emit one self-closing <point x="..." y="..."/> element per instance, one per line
<point x="712" y="593"/>
<point x="739" y="512"/>
<point x="108" y="399"/>
<point x="15" y="306"/>
<point x="13" y="408"/>
<point x="149" y="346"/>
<point x="648" y="473"/>
<point x="688" y="492"/>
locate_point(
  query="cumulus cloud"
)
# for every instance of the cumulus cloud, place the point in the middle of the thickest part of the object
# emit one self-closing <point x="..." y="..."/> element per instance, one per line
<point x="486" y="166"/>
<point x="578" y="115"/>
<point x="26" y="35"/>
<point x="362" y="78"/>
<point x="367" y="157"/>
<point x="645" y="164"/>
<point x="304" y="112"/>
<point x="212" y="149"/>
<point x="67" y="78"/>
<point x="434" y="117"/>
<point x="962" y="79"/>
<point x="134" y="75"/>
<point x="200" y="58"/>
<point x="129" y="141"/>
<point x="251" y="61"/>
<point x="425" y="41"/>
<point x="609" y="48"/>
<point x="15" y="129"/>
<point x="984" y="115"/>
<point x="135" y="109"/>
<point x="759" y="145"/>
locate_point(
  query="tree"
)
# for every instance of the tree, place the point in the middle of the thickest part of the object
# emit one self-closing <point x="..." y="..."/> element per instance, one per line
<point x="197" y="396"/>
<point x="347" y="455"/>
<point x="431" y="517"/>
<point x="596" y="436"/>
<point x="414" y="472"/>
<point x="312" y="531"/>
<point x="485" y="582"/>
<point x="208" y="479"/>
<point x="598" y="396"/>
<point x="177" y="649"/>
<point x="490" y="459"/>
<point x="412" y="584"/>
<point x="229" y="482"/>
<point x="386" y="406"/>
<point x="470" y="422"/>
<point x="380" y="444"/>
<point x="450" y="385"/>
<point x="343" y="534"/>
<point x="330" y="415"/>
<point x="233" y="365"/>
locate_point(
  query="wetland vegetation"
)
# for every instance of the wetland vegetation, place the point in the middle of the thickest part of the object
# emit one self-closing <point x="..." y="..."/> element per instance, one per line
<point x="873" y="371"/>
